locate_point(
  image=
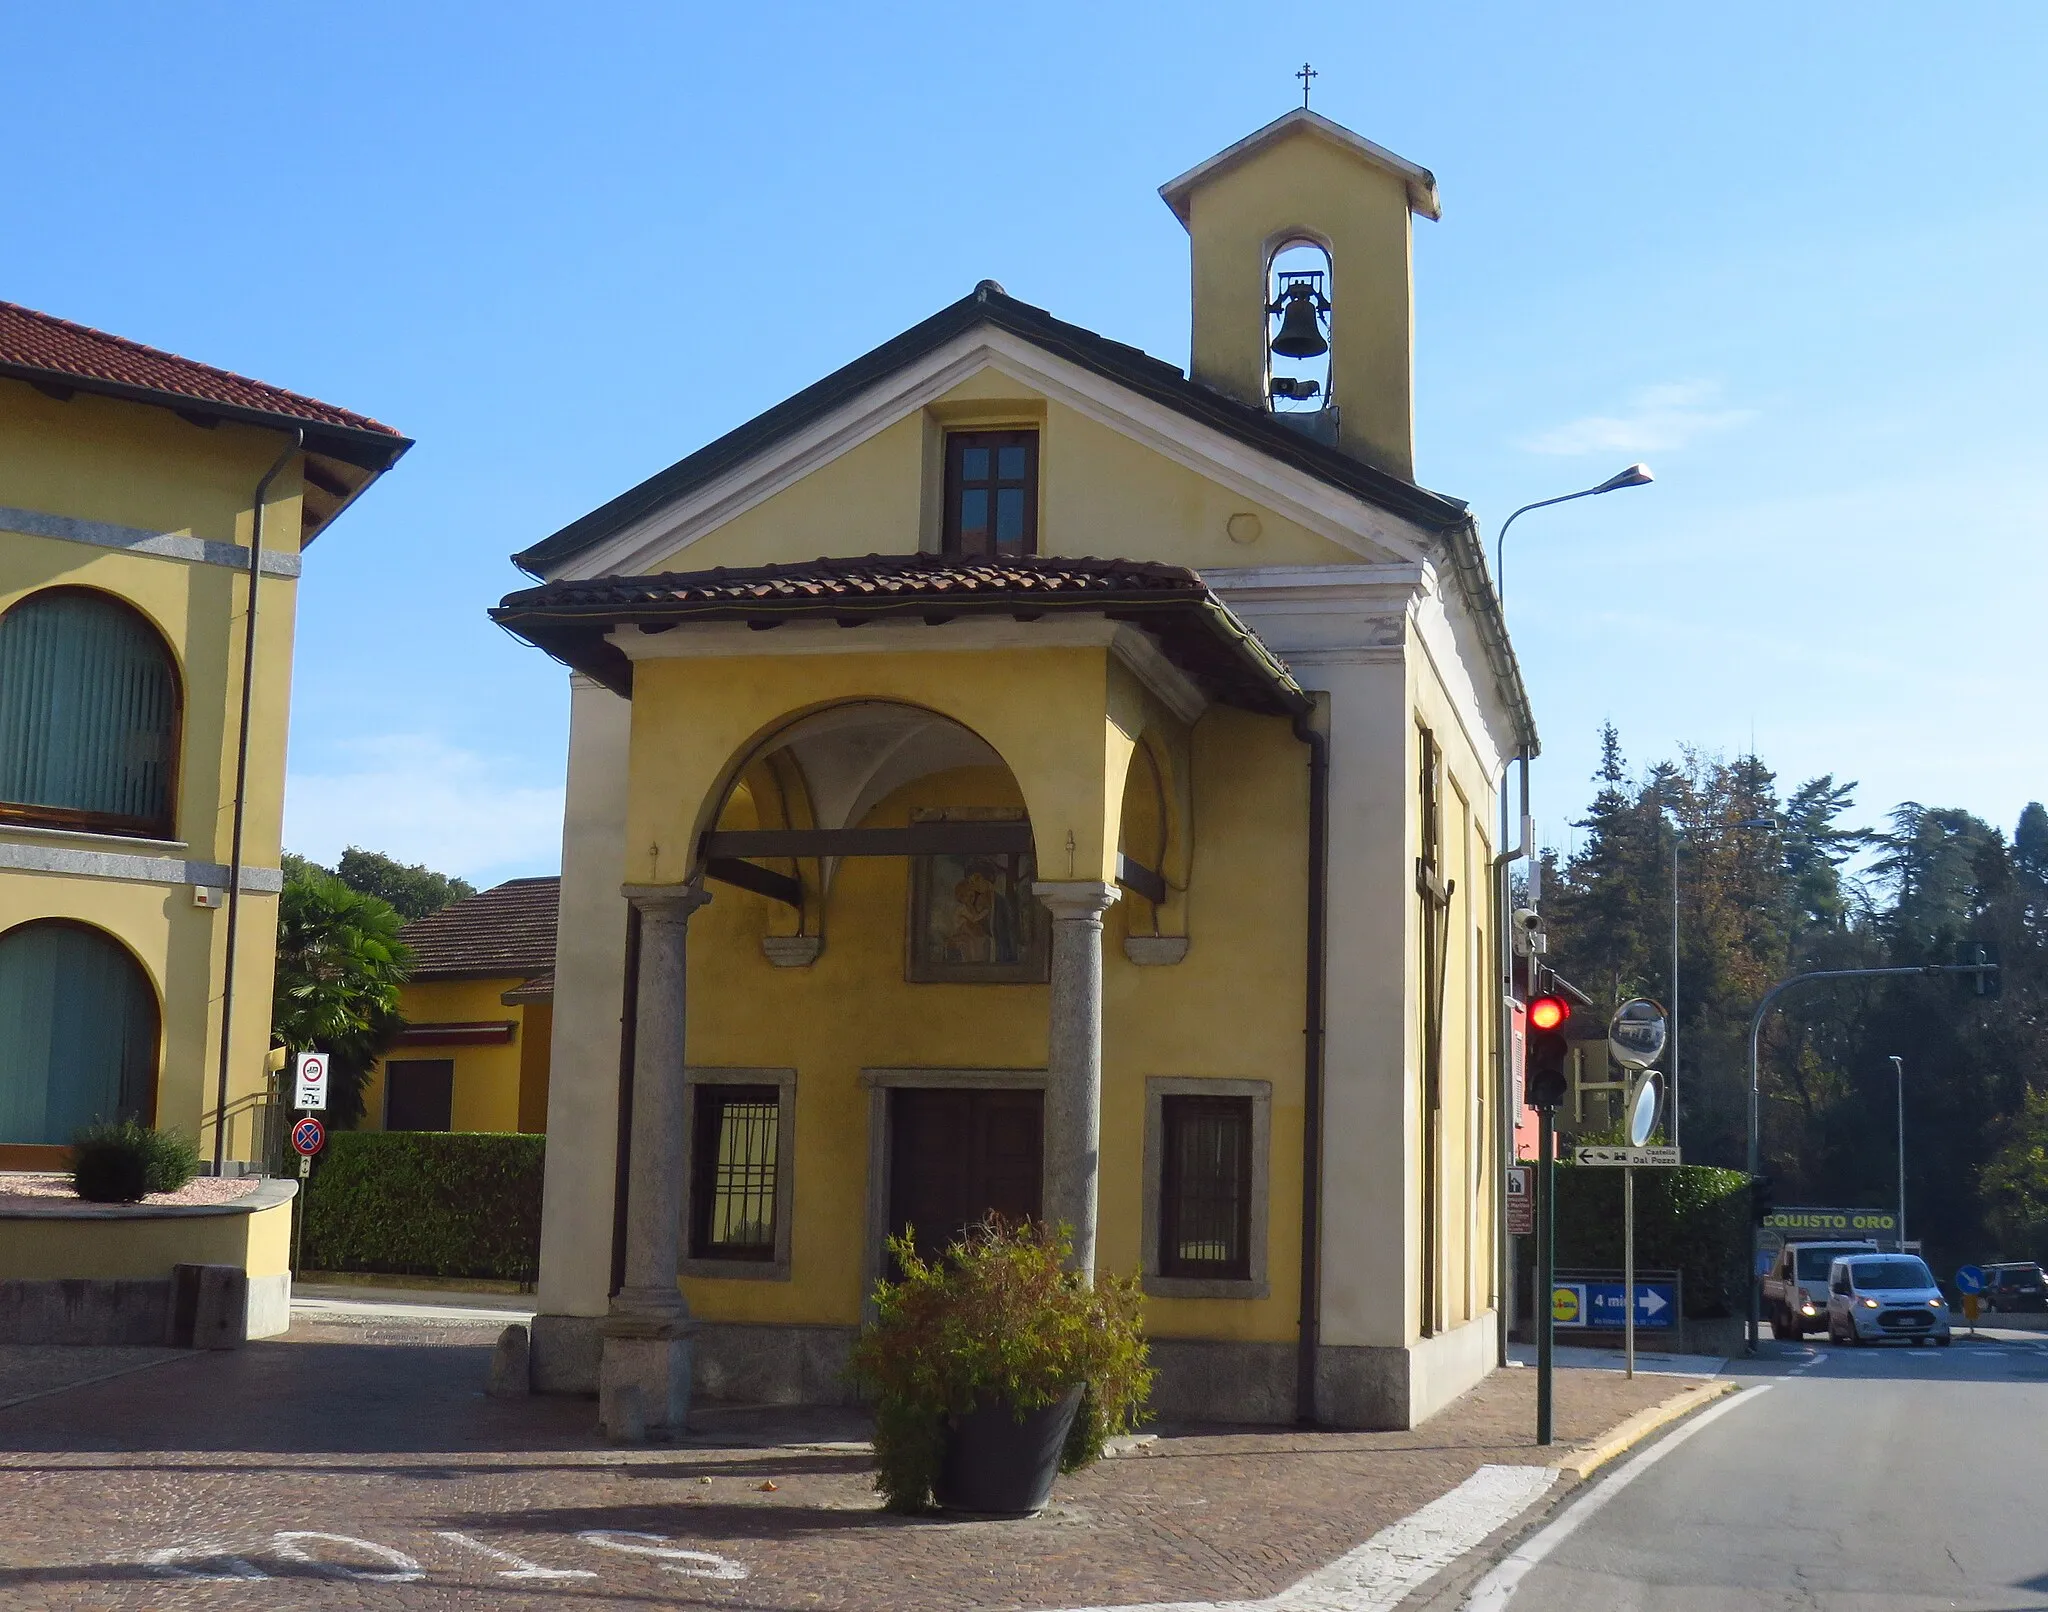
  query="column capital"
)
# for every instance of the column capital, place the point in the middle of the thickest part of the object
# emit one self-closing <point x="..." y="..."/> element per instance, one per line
<point x="673" y="902"/>
<point x="1076" y="898"/>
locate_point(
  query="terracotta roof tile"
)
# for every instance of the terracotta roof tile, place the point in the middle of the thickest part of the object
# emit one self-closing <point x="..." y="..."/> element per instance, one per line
<point x="507" y="930"/>
<point x="571" y="620"/>
<point x="879" y="577"/>
<point x="39" y="341"/>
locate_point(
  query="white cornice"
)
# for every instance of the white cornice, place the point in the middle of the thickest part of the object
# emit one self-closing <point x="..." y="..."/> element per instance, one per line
<point x="1308" y="500"/>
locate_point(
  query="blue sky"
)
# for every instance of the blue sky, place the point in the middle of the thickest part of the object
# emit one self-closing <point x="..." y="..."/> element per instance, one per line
<point x="1791" y="256"/>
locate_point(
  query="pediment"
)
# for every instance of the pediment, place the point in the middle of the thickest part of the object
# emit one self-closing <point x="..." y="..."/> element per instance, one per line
<point x="1125" y="476"/>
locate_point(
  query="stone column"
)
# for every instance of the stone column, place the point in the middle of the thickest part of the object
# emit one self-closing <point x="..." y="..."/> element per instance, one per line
<point x="644" y="1377"/>
<point x="1073" y="1084"/>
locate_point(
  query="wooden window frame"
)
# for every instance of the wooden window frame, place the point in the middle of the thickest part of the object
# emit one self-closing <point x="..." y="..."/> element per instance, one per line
<point x="950" y="535"/>
<point x="68" y="819"/>
<point x="695" y="1260"/>
<point x="1252" y="1282"/>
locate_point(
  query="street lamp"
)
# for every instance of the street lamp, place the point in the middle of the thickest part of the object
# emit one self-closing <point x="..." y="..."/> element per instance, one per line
<point x="1637" y="475"/>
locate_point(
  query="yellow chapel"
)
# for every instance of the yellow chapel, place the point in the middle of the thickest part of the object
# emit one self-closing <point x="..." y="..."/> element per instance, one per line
<point x="1015" y="775"/>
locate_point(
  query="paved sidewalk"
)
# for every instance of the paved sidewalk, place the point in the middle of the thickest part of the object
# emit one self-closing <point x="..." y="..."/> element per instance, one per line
<point x="356" y="1464"/>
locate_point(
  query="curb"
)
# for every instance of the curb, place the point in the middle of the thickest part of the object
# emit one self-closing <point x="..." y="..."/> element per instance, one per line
<point x="1583" y="1462"/>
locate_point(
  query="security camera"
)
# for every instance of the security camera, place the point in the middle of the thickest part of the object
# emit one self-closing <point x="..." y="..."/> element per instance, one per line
<point x="1530" y="940"/>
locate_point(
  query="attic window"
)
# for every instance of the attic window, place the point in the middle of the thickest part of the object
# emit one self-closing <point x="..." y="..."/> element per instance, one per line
<point x="991" y="493"/>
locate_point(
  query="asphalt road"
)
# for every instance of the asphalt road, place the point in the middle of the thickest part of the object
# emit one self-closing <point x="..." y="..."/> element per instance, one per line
<point x="1868" y="1479"/>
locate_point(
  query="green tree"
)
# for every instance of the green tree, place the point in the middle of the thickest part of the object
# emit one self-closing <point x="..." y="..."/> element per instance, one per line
<point x="413" y="890"/>
<point x="339" y="966"/>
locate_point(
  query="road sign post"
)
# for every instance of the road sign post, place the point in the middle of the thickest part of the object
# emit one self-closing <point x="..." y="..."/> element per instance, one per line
<point x="1970" y="1283"/>
<point x="309" y="1084"/>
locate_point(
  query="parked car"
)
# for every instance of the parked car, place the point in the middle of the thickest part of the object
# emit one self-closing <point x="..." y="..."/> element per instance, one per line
<point x="1872" y="1297"/>
<point x="2015" y="1287"/>
<point x="1796" y="1291"/>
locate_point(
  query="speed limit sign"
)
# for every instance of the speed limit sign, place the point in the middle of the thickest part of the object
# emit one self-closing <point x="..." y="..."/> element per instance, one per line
<point x="310" y="1085"/>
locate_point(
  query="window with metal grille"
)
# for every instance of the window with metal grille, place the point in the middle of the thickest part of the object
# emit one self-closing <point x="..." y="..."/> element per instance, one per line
<point x="738" y="1137"/>
<point x="991" y="493"/>
<point x="1205" y="1219"/>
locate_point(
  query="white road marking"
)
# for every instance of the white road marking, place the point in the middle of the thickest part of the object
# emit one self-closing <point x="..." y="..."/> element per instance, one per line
<point x="673" y="1558"/>
<point x="521" y="1567"/>
<point x="168" y="1563"/>
<point x="403" y="1568"/>
<point x="1379" y="1574"/>
<point x="1493" y="1591"/>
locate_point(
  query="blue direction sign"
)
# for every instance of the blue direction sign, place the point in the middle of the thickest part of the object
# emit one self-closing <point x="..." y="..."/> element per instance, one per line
<point x="1970" y="1279"/>
<point x="1656" y="1306"/>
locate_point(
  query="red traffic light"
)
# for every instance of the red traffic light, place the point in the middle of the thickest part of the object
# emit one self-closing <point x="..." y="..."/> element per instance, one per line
<point x="1549" y="1012"/>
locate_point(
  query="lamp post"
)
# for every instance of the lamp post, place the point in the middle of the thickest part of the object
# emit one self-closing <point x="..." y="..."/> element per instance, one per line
<point x="1899" y="1069"/>
<point x="1636" y="475"/>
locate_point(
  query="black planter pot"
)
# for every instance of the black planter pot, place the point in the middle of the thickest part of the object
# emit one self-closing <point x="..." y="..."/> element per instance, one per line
<point x="997" y="1466"/>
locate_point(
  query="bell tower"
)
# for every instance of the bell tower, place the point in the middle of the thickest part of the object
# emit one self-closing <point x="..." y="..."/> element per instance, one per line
<point x="1309" y="191"/>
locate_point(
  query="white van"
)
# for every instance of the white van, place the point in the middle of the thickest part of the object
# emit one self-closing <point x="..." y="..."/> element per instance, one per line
<point x="1796" y="1291"/>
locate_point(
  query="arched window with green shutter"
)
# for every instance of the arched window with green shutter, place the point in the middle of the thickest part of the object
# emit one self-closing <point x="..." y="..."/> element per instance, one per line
<point x="78" y="1033"/>
<point x="88" y="715"/>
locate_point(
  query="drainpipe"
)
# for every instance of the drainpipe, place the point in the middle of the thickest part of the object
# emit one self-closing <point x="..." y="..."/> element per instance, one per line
<point x="227" y="988"/>
<point x="1310" y="1324"/>
<point x="1504" y="951"/>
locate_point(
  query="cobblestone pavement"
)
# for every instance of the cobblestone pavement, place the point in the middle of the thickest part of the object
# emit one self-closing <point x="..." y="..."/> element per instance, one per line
<point x="358" y="1465"/>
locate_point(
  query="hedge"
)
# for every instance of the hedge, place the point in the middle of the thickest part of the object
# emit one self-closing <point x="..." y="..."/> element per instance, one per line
<point x="426" y="1203"/>
<point x="1693" y="1219"/>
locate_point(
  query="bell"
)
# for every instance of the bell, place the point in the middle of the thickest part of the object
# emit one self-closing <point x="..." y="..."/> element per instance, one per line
<point x="1301" y="336"/>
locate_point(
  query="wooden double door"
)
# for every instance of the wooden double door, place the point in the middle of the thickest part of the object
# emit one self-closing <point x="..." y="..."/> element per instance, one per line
<point x="957" y="1153"/>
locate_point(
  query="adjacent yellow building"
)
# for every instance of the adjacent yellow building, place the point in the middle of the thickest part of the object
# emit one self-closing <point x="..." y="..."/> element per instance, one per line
<point x="135" y="489"/>
<point x="1013" y="775"/>
<point x="478" y="1007"/>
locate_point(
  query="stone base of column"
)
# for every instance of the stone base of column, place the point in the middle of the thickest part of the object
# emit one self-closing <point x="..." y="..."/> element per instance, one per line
<point x="643" y="1374"/>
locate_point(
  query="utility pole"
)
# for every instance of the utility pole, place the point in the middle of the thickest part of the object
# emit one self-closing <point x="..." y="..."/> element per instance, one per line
<point x="1899" y="1069"/>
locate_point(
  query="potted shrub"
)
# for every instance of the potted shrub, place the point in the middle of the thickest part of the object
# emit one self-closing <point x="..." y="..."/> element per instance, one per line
<point x="995" y="1367"/>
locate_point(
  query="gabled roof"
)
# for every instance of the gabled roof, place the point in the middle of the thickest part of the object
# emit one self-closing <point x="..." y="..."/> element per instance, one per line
<point x="988" y="304"/>
<point x="1194" y="628"/>
<point x="506" y="930"/>
<point x="344" y="451"/>
<point x="58" y="355"/>
<point x="1421" y="183"/>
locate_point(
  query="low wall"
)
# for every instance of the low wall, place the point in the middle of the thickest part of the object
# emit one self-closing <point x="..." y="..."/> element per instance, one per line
<point x="96" y="1273"/>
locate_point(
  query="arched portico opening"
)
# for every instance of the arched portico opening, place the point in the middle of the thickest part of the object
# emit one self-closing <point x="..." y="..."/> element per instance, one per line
<point x="881" y="778"/>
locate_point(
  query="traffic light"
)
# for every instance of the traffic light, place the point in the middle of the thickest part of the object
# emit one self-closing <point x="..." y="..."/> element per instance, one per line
<point x="1763" y="1198"/>
<point x="1547" y="1082"/>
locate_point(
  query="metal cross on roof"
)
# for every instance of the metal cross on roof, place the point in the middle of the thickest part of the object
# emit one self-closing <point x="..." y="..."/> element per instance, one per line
<point x="1307" y="72"/>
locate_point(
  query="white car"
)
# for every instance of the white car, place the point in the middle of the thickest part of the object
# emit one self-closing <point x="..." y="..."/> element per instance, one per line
<point x="1872" y="1297"/>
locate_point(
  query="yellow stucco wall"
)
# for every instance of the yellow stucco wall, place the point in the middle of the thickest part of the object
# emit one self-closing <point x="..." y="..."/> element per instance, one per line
<point x="1101" y="493"/>
<point x="487" y="1092"/>
<point x="96" y="459"/>
<point x="46" y="1248"/>
<point x="1232" y="1010"/>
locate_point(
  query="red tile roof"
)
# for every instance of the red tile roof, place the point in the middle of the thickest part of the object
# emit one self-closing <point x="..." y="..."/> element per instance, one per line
<point x="58" y="348"/>
<point x="507" y="930"/>
<point x="572" y="620"/>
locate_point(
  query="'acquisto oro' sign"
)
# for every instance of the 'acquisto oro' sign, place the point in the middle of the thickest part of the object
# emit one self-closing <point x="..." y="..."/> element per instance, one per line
<point x="1867" y="1222"/>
